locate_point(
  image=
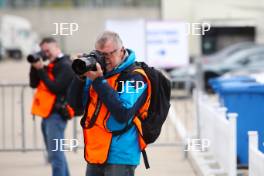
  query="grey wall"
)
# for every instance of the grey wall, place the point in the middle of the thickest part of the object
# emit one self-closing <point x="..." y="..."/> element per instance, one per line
<point x="91" y="22"/>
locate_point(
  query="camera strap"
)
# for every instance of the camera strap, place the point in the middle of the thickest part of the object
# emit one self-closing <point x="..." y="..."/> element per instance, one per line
<point x="95" y="115"/>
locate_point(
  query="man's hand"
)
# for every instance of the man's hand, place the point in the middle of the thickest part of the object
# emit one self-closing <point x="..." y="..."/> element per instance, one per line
<point x="94" y="74"/>
<point x="38" y="65"/>
<point x="77" y="55"/>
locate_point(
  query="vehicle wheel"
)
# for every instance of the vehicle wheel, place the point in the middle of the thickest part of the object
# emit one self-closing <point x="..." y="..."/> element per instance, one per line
<point x="16" y="54"/>
<point x="207" y="77"/>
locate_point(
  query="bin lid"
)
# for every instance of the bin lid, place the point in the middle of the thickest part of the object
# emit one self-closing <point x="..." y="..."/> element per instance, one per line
<point x="241" y="87"/>
<point x="216" y="83"/>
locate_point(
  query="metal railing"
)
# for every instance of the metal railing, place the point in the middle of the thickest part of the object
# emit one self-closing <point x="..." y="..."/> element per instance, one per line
<point x="20" y="131"/>
<point x="10" y="95"/>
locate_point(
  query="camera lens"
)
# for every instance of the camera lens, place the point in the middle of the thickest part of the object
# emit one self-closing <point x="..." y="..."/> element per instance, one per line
<point x="84" y="64"/>
<point x="88" y="63"/>
<point x="79" y="66"/>
<point x="33" y="58"/>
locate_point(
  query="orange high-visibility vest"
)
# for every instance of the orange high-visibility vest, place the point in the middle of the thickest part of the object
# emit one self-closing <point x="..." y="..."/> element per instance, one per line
<point x="43" y="99"/>
<point x="97" y="139"/>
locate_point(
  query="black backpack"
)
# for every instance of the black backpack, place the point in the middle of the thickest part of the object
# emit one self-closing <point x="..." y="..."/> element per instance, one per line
<point x="159" y="104"/>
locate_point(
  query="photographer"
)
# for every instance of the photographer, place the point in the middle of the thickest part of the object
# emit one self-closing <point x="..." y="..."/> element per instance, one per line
<point x="112" y="141"/>
<point x="49" y="101"/>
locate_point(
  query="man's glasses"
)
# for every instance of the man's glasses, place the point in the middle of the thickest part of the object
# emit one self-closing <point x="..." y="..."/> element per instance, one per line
<point x="108" y="54"/>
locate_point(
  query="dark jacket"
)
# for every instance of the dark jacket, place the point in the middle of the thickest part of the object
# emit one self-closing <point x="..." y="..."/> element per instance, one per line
<point x="63" y="75"/>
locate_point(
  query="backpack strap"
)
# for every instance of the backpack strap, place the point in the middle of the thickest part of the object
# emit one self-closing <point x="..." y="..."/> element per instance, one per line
<point x="120" y="132"/>
<point x="145" y="158"/>
<point x="123" y="74"/>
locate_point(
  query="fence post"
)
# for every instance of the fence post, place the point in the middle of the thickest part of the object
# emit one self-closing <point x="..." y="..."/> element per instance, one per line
<point x="222" y="111"/>
<point x="233" y="131"/>
<point x="197" y="97"/>
<point x="23" y="137"/>
<point x="253" y="139"/>
<point x="3" y="116"/>
<point x="13" y="117"/>
<point x="75" y="132"/>
<point x="252" y="143"/>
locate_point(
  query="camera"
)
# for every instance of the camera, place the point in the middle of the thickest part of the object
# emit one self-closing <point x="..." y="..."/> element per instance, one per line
<point x="87" y="62"/>
<point x="62" y="107"/>
<point x="34" y="57"/>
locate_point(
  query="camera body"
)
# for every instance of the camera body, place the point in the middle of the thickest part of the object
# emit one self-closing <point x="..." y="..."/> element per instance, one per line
<point x="87" y="62"/>
<point x="61" y="106"/>
<point x="34" y="57"/>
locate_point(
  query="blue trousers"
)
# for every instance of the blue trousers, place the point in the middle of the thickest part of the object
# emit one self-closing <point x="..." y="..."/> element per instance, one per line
<point x="53" y="130"/>
<point x="110" y="170"/>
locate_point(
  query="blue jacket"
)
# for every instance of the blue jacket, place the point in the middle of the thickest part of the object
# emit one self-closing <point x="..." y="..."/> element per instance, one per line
<point x="123" y="105"/>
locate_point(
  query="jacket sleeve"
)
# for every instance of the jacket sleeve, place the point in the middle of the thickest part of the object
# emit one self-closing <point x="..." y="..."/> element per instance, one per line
<point x="33" y="77"/>
<point x="123" y="104"/>
<point x="77" y="95"/>
<point x="62" y="79"/>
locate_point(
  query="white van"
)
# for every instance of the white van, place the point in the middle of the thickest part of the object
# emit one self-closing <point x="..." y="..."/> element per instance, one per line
<point x="16" y="37"/>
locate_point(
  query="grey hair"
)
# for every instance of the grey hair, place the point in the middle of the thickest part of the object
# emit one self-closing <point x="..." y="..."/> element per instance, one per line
<point x="105" y="37"/>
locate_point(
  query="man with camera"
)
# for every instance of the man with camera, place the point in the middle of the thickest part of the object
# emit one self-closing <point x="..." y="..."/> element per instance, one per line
<point x="112" y="138"/>
<point x="49" y="101"/>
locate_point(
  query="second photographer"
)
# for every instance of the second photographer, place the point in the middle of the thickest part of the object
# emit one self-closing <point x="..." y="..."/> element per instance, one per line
<point x="49" y="102"/>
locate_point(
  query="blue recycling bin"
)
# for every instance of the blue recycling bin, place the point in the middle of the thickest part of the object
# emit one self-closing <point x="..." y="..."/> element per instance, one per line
<point x="216" y="83"/>
<point x="246" y="99"/>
